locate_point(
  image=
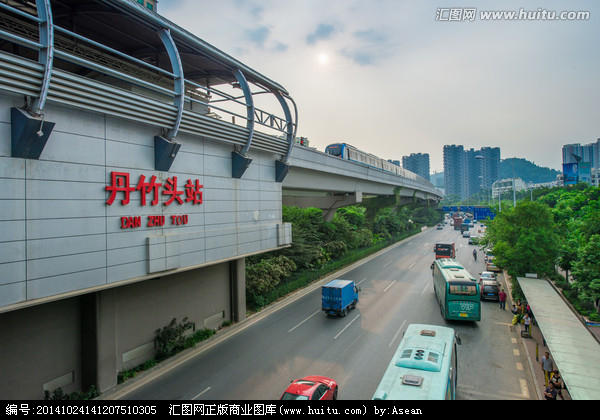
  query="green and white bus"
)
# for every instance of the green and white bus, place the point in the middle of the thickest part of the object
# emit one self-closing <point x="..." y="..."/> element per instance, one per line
<point x="424" y="366"/>
<point x="456" y="290"/>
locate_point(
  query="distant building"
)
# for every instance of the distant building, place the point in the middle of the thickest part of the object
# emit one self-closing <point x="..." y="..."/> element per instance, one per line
<point x="576" y="153"/>
<point x="454" y="171"/>
<point x="466" y="172"/>
<point x="417" y="163"/>
<point x="501" y="186"/>
<point x="581" y="163"/>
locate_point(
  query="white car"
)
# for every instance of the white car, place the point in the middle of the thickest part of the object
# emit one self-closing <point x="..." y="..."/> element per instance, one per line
<point x="487" y="275"/>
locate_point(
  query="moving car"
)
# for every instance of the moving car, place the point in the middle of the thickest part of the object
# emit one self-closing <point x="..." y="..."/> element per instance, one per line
<point x="487" y="275"/>
<point x="440" y="226"/>
<point x="311" y="388"/>
<point x="490" y="266"/>
<point x="489" y="290"/>
<point x="466" y="234"/>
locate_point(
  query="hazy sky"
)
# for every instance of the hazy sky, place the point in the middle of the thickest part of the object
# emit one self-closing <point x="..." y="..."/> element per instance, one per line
<point x="388" y="78"/>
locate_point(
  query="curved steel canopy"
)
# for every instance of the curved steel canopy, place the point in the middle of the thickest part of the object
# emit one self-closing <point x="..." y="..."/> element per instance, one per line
<point x="127" y="30"/>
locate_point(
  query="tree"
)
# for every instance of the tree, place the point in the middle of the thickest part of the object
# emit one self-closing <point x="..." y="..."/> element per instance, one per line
<point x="524" y="239"/>
<point x="586" y="271"/>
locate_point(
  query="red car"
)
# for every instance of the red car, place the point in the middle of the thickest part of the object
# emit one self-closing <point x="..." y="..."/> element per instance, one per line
<point x="311" y="388"/>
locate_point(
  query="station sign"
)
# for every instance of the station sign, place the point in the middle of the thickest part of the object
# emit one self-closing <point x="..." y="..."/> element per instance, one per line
<point x="149" y="191"/>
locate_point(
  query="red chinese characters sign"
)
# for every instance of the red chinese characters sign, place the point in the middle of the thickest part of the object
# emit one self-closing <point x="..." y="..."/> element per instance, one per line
<point x="149" y="191"/>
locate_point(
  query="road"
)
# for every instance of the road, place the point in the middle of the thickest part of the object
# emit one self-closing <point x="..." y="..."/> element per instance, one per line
<point x="265" y="353"/>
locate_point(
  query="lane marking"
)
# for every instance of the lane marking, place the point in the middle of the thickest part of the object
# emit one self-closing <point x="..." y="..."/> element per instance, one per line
<point x="391" y="284"/>
<point x="302" y="322"/>
<point x="344" y="329"/>
<point x="206" y="390"/>
<point x="387" y="263"/>
<point x="397" y="333"/>
<point x="524" y="389"/>
<point x="425" y="289"/>
<point x="410" y="266"/>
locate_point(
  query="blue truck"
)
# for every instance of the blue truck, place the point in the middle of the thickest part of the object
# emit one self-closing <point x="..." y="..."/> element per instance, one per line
<point x="339" y="296"/>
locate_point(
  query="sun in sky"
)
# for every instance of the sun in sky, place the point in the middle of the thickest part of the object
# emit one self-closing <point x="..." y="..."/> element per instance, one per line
<point x="323" y="59"/>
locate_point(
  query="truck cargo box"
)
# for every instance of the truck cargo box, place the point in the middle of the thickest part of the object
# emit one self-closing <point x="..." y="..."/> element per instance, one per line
<point x="339" y="296"/>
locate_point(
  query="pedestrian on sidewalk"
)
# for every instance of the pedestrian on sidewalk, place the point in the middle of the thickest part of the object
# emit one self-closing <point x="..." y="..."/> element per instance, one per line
<point x="502" y="298"/>
<point x="547" y="367"/>
<point x="550" y="392"/>
<point x="526" y="322"/>
<point x="558" y="384"/>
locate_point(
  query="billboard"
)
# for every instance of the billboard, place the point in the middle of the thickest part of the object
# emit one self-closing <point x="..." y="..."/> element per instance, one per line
<point x="585" y="172"/>
<point x="570" y="173"/>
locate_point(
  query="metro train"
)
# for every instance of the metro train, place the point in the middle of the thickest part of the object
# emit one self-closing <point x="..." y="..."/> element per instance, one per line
<point x="349" y="152"/>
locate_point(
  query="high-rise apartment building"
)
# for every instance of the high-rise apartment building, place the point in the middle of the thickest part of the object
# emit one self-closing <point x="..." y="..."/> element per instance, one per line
<point x="454" y="171"/>
<point x="576" y="153"/>
<point x="417" y="163"/>
<point x="466" y="172"/>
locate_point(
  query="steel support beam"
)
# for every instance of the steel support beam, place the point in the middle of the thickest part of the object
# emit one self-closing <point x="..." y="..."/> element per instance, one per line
<point x="46" y="54"/>
<point x="166" y="149"/>
<point x="281" y="166"/>
<point x="239" y="161"/>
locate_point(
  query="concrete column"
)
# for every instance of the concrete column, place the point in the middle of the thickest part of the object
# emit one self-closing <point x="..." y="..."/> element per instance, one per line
<point x="238" y="289"/>
<point x="106" y="356"/>
<point x="89" y="340"/>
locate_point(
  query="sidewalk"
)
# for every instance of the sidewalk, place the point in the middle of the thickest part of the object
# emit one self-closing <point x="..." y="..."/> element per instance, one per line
<point x="535" y="348"/>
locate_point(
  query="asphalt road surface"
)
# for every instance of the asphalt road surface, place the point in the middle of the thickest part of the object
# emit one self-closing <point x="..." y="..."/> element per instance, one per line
<point x="260" y="356"/>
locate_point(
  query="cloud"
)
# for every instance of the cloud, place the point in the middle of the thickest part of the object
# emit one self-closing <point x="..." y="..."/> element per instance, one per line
<point x="258" y="36"/>
<point x="371" y="36"/>
<point x="323" y="32"/>
<point x="369" y="47"/>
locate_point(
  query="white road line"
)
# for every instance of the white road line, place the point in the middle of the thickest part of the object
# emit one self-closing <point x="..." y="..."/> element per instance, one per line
<point x="410" y="266"/>
<point x="397" y="333"/>
<point x="362" y="280"/>
<point x="524" y="389"/>
<point x="425" y="289"/>
<point x="387" y="263"/>
<point x="302" y="322"/>
<point x="344" y="329"/>
<point x="391" y="284"/>
<point x="207" y="389"/>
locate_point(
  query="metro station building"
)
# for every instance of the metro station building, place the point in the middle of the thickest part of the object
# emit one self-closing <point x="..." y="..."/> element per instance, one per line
<point x="138" y="169"/>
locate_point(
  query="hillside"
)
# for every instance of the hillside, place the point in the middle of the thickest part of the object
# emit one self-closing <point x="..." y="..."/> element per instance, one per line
<point x="526" y="170"/>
